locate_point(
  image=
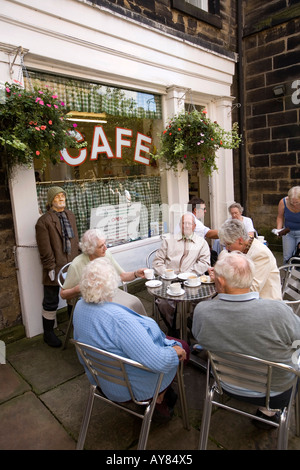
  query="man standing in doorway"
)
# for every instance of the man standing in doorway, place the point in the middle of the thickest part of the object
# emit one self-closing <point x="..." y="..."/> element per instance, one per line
<point x="197" y="207"/>
<point x="57" y="240"/>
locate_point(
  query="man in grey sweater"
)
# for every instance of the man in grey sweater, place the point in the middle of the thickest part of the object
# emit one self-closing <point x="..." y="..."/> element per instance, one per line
<point x="237" y="320"/>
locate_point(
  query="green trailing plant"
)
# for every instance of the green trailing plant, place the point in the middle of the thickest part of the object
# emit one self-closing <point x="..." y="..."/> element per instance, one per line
<point x="192" y="137"/>
<point x="33" y="125"/>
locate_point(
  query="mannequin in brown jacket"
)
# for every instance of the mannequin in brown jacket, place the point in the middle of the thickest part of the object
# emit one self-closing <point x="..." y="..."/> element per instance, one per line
<point x="57" y="240"/>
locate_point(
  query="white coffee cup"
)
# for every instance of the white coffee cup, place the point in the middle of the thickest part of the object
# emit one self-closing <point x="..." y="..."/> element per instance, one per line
<point x="192" y="280"/>
<point x="175" y="288"/>
<point x="149" y="273"/>
<point x="169" y="273"/>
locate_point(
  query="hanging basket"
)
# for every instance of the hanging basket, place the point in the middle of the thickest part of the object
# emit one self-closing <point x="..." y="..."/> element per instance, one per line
<point x="33" y="125"/>
<point x="192" y="137"/>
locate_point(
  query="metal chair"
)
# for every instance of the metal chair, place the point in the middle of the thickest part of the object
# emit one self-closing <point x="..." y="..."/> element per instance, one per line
<point x="290" y="285"/>
<point x="253" y="374"/>
<point x="150" y="258"/>
<point x="61" y="278"/>
<point x="112" y="368"/>
<point x="155" y="311"/>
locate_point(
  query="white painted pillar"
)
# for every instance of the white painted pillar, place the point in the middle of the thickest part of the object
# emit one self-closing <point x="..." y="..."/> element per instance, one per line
<point x="222" y="185"/>
<point x="177" y="182"/>
<point x="29" y="268"/>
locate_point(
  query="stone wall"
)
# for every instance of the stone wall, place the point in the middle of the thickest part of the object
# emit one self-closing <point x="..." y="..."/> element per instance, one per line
<point x="10" y="311"/>
<point x="271" y="52"/>
<point x="215" y="35"/>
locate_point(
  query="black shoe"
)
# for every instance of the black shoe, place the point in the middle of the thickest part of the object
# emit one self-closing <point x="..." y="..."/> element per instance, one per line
<point x="51" y="339"/>
<point x="162" y="413"/>
<point x="49" y="336"/>
<point x="259" y="424"/>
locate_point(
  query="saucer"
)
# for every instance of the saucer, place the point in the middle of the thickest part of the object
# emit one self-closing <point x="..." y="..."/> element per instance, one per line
<point x="169" y="278"/>
<point x="184" y="276"/>
<point x="189" y="285"/>
<point x="153" y="283"/>
<point x="182" y="291"/>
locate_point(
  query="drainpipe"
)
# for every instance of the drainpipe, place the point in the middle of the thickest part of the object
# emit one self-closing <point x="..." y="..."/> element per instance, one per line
<point x="241" y="100"/>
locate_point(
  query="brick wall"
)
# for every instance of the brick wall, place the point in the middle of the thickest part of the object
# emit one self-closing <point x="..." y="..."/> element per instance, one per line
<point x="271" y="49"/>
<point x="10" y="312"/>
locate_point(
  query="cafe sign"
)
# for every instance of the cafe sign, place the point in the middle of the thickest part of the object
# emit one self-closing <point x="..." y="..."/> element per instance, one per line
<point x="101" y="145"/>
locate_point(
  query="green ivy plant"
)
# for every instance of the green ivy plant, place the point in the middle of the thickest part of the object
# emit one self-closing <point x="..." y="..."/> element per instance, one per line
<point x="192" y="137"/>
<point x="33" y="124"/>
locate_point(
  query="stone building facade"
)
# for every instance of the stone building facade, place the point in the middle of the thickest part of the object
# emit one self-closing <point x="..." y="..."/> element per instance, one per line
<point x="271" y="78"/>
<point x="10" y="310"/>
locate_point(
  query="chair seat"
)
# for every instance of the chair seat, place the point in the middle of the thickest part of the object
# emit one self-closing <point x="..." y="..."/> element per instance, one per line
<point x="251" y="373"/>
<point x="111" y="367"/>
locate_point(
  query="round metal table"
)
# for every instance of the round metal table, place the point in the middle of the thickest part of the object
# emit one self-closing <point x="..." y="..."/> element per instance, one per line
<point x="191" y="294"/>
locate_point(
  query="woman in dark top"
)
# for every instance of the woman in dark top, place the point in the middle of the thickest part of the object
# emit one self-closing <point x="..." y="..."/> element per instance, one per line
<point x="289" y="218"/>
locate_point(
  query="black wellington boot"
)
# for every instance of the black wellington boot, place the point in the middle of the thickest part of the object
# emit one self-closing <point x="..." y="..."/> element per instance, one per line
<point x="49" y="336"/>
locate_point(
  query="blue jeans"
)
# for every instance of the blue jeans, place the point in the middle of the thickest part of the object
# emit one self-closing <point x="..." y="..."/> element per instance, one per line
<point x="289" y="244"/>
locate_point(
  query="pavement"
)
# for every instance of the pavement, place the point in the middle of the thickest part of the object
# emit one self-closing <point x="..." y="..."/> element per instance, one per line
<point x="43" y="393"/>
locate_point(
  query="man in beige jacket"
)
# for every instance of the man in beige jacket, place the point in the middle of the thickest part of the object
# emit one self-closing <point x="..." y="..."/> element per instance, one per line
<point x="234" y="236"/>
<point x="183" y="252"/>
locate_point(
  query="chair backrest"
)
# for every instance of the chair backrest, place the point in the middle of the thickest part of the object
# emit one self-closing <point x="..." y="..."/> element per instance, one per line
<point x="294" y="260"/>
<point x="111" y="367"/>
<point x="291" y="285"/>
<point x="62" y="274"/>
<point x="248" y="372"/>
<point x="150" y="258"/>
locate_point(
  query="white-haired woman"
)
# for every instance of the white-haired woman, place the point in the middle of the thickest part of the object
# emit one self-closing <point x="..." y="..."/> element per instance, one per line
<point x="107" y="325"/>
<point x="236" y="212"/>
<point x="288" y="216"/>
<point x="93" y="246"/>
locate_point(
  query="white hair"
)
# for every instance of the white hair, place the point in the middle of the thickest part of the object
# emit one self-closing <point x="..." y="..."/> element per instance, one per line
<point x="294" y="192"/>
<point x="236" y="268"/>
<point x="236" y="205"/>
<point x="89" y="240"/>
<point x="232" y="230"/>
<point x="99" y="281"/>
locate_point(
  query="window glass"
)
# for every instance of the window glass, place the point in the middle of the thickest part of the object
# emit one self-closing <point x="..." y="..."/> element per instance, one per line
<point x="111" y="183"/>
<point x="203" y="4"/>
<point x="204" y="10"/>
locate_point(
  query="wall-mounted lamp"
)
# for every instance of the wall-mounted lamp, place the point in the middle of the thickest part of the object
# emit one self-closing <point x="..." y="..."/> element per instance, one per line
<point x="84" y="120"/>
<point x="79" y="116"/>
<point x="279" y="90"/>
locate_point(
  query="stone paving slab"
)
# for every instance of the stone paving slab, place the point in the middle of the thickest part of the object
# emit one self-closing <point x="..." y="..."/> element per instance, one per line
<point x="26" y="424"/>
<point x="11" y="382"/>
<point x="42" y="366"/>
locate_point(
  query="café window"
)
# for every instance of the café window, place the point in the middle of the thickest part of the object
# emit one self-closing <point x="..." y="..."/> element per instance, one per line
<point x="112" y="183"/>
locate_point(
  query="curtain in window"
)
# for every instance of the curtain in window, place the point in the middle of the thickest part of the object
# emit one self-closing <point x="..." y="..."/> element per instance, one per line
<point x="82" y="196"/>
<point x="83" y="96"/>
